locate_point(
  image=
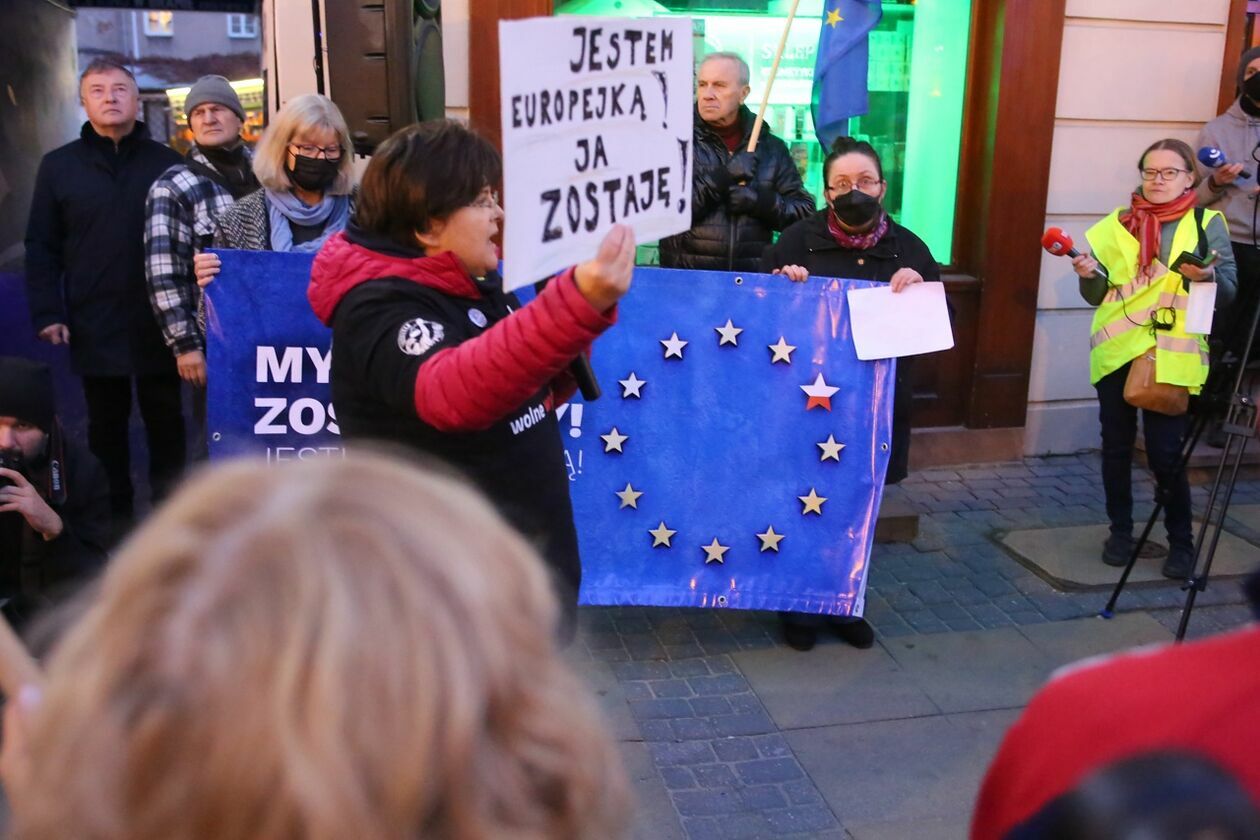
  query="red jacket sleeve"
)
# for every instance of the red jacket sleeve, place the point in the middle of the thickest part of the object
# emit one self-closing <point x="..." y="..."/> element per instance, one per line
<point x="477" y="383"/>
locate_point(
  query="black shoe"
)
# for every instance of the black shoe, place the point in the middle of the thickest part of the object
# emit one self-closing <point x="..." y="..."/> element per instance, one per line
<point x="799" y="636"/>
<point x="858" y="633"/>
<point x="1180" y="562"/>
<point x="1117" y="550"/>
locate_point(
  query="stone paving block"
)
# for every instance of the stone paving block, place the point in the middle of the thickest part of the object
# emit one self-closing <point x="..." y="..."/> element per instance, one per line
<point x="990" y="669"/>
<point x="772" y="746"/>
<point x="736" y="749"/>
<point x="763" y="797"/>
<point x="690" y="650"/>
<point x="683" y="753"/>
<point x="707" y="803"/>
<point x="677" y="778"/>
<point x="714" y="776"/>
<point x="923" y="768"/>
<point x="708" y="706"/>
<point x="751" y="723"/>
<point x="1068" y="641"/>
<point x="802" y="820"/>
<point x="768" y="771"/>
<point x="931" y="592"/>
<point x="660" y="709"/>
<point x="718" y="684"/>
<point x="692" y="729"/>
<point x="642" y="670"/>
<point x="654" y="816"/>
<point x="656" y="730"/>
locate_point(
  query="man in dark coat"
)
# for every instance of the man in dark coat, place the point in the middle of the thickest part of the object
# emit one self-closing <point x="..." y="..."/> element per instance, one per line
<point x="86" y="284"/>
<point x="738" y="199"/>
<point x="54" y="497"/>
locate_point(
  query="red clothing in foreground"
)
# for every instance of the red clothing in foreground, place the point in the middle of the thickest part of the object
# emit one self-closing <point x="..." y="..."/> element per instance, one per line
<point x="1202" y="697"/>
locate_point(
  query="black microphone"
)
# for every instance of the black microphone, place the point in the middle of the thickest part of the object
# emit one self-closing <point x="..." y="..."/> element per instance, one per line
<point x="580" y="368"/>
<point x="1214" y="158"/>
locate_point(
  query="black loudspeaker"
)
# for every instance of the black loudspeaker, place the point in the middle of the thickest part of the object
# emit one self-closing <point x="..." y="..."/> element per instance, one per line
<point x="384" y="65"/>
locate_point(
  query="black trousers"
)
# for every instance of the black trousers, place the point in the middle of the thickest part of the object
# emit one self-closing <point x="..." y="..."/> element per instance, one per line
<point x="1163" y="450"/>
<point x="1234" y="321"/>
<point x="109" y="415"/>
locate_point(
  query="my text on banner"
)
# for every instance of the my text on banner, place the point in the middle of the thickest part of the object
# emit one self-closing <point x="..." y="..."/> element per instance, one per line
<point x="597" y="126"/>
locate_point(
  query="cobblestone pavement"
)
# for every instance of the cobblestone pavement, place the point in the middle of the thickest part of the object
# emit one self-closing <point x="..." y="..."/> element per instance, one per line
<point x="728" y="769"/>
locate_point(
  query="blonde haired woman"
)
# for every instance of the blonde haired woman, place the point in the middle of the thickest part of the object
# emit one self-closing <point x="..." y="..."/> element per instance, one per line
<point x="304" y="162"/>
<point x="297" y="652"/>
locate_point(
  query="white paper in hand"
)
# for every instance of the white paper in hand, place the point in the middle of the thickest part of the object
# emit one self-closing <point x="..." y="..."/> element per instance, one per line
<point x="887" y="325"/>
<point x="1200" y="308"/>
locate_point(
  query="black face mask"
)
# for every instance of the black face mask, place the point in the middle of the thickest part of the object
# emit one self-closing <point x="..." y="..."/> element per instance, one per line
<point x="1251" y="87"/>
<point x="855" y="208"/>
<point x="315" y="174"/>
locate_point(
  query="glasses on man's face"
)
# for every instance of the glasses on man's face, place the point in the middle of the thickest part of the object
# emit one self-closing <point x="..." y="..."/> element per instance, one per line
<point x="866" y="185"/>
<point x="1162" y="174"/>
<point x="332" y="152"/>
<point x="486" y="201"/>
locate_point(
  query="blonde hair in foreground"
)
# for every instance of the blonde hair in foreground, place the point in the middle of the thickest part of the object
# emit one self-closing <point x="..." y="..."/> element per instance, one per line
<point x="324" y="650"/>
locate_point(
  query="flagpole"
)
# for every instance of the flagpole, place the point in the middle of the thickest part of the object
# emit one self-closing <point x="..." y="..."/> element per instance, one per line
<point x="774" y="70"/>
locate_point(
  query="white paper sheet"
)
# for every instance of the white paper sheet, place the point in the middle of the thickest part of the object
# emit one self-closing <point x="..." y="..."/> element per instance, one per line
<point x="911" y="322"/>
<point x="1200" y="308"/>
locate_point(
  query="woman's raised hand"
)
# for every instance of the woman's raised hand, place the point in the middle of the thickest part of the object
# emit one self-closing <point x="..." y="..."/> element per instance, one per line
<point x="604" y="280"/>
<point x="1084" y="265"/>
<point x="795" y="273"/>
<point x="205" y="267"/>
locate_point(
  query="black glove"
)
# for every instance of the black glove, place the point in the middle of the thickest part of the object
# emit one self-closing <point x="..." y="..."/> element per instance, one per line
<point x="750" y="201"/>
<point x="742" y="167"/>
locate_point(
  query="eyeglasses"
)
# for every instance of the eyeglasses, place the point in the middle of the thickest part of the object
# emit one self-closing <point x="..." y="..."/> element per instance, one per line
<point x="332" y="152"/>
<point x="1162" y="174"/>
<point x="866" y="185"/>
<point x="486" y="201"/>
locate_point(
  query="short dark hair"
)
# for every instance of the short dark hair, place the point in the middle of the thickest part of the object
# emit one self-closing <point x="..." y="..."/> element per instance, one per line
<point x="424" y="172"/>
<point x="846" y="145"/>
<point x="105" y="65"/>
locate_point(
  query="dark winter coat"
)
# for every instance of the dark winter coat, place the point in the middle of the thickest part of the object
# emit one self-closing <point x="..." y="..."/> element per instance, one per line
<point x="808" y="243"/>
<point x="35" y="571"/>
<point x="427" y="357"/>
<point x="719" y="240"/>
<point x="85" y="252"/>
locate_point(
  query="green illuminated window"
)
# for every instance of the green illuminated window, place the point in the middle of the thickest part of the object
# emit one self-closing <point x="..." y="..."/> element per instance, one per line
<point x="917" y="74"/>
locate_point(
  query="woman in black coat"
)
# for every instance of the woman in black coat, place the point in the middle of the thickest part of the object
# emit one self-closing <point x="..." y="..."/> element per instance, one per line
<point x="854" y="238"/>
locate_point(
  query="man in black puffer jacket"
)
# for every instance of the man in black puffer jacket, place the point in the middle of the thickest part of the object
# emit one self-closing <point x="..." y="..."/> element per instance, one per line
<point x="738" y="199"/>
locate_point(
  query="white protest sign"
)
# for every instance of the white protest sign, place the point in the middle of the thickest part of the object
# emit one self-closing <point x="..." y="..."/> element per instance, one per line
<point x="887" y="325"/>
<point x="597" y="128"/>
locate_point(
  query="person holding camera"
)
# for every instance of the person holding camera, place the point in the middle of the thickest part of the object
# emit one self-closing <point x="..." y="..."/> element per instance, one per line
<point x="54" y="496"/>
<point x="1141" y="316"/>
<point x="738" y="198"/>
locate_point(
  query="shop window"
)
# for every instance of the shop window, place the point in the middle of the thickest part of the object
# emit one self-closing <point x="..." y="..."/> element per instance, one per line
<point x="242" y="26"/>
<point x="917" y="75"/>
<point x="159" y="24"/>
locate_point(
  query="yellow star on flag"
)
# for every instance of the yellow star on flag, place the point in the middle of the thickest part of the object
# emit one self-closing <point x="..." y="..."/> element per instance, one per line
<point x="713" y="552"/>
<point x="770" y="540"/>
<point x="830" y="448"/>
<point x="613" y="440"/>
<point x="629" y="497"/>
<point x="661" y="534"/>
<point x="813" y="502"/>
<point x="833" y="17"/>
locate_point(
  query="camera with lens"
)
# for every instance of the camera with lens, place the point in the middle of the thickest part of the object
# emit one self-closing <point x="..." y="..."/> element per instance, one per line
<point x="10" y="460"/>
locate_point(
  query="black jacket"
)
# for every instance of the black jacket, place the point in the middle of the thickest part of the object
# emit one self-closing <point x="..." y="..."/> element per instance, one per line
<point x="718" y="240"/>
<point x="85" y="252"/>
<point x="808" y="243"/>
<point x="34" y="571"/>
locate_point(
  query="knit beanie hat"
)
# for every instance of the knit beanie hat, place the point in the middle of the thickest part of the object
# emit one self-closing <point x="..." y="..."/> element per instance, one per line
<point x="26" y="391"/>
<point x="214" y="89"/>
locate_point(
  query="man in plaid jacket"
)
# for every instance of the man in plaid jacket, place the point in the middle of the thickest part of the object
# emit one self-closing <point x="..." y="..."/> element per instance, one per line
<point x="181" y="210"/>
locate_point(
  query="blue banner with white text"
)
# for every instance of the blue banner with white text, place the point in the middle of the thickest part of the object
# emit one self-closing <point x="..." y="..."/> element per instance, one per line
<point x="735" y="459"/>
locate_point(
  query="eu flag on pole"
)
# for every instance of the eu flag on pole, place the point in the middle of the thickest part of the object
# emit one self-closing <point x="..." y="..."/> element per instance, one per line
<point x="840" y="69"/>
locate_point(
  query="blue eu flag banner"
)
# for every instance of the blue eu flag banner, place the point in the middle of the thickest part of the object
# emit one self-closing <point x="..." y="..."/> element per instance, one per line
<point x="735" y="460"/>
<point x="840" y="69"/>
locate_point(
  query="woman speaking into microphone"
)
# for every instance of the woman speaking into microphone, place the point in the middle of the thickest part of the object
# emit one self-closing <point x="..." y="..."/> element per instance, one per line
<point x="1151" y="251"/>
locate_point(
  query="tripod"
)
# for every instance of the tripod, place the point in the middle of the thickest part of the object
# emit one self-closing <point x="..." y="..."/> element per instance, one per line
<point x="1239" y="427"/>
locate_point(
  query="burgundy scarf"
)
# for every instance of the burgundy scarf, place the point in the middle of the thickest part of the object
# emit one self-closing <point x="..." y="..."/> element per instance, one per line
<point x="1143" y="220"/>
<point x="857" y="241"/>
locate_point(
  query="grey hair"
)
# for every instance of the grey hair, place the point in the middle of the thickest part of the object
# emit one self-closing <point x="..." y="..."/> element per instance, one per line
<point x="744" y="73"/>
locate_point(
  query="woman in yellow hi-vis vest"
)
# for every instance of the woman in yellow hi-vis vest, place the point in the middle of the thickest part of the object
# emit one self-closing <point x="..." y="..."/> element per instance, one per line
<point x="1142" y="309"/>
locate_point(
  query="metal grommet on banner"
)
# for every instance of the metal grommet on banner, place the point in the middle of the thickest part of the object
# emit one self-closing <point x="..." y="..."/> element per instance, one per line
<point x="883" y="447"/>
<point x="721" y="600"/>
<point x="216" y="437"/>
<point x="739" y="281"/>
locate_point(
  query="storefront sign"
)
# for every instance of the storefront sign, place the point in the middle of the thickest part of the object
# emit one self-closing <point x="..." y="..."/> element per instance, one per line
<point x="735" y="460"/>
<point x="597" y="129"/>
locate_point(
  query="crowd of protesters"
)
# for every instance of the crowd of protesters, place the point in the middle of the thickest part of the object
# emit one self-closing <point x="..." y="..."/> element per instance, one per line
<point x="480" y="731"/>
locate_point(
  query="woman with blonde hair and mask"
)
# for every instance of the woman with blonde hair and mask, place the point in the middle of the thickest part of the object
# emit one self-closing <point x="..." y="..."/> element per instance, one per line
<point x="304" y="162"/>
<point x="298" y="652"/>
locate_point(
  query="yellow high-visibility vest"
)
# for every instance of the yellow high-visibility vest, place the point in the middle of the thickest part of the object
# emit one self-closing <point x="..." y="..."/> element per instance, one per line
<point x="1122" y="328"/>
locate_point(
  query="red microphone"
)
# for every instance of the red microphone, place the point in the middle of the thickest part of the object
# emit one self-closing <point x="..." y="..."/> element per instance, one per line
<point x="1060" y="244"/>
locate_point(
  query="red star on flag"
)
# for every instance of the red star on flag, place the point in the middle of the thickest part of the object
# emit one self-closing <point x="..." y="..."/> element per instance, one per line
<point x="819" y="393"/>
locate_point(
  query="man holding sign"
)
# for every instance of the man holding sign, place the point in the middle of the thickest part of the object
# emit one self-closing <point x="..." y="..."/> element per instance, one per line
<point x="430" y="352"/>
<point x="740" y="197"/>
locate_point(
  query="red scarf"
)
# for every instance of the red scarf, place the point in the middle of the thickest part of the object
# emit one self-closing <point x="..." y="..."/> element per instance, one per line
<point x="857" y="241"/>
<point x="1143" y="220"/>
